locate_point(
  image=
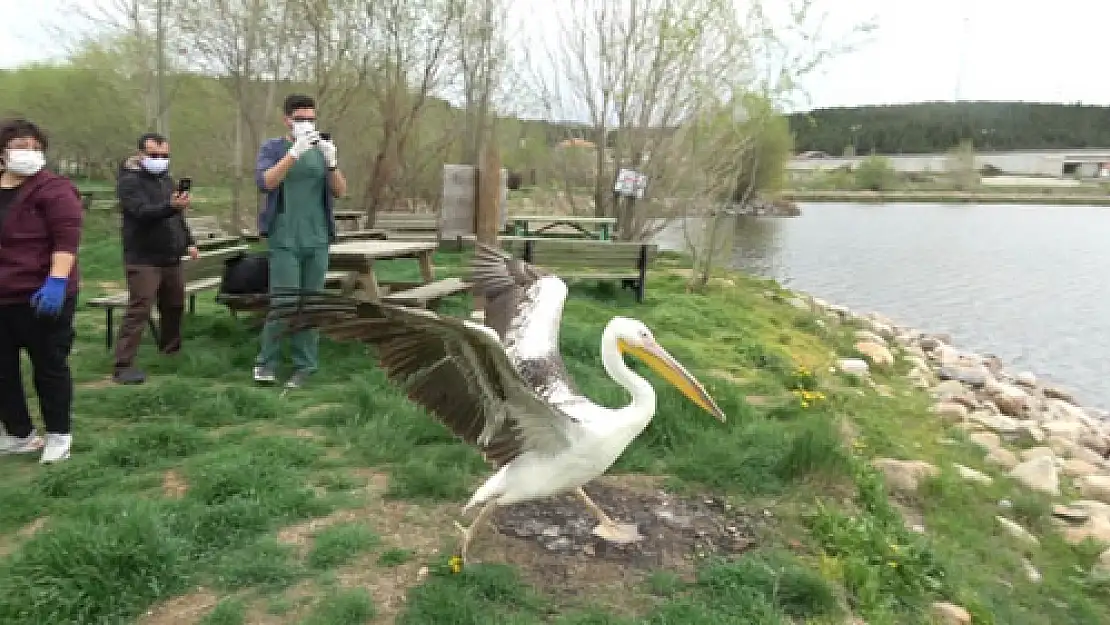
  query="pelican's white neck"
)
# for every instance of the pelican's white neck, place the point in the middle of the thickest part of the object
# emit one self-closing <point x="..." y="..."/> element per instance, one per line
<point x="643" y="395"/>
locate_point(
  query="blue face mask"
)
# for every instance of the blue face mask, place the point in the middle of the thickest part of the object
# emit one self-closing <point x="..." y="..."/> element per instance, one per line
<point x="156" y="165"/>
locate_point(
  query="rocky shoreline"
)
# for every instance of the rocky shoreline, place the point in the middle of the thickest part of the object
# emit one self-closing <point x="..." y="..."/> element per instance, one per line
<point x="760" y="206"/>
<point x="1035" y="433"/>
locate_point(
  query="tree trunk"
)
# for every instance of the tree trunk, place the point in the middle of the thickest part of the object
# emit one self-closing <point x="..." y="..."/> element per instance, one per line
<point x="237" y="190"/>
<point x="601" y="181"/>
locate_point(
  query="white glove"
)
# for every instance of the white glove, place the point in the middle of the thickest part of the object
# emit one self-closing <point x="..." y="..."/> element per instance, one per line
<point x="303" y="144"/>
<point x="327" y="148"/>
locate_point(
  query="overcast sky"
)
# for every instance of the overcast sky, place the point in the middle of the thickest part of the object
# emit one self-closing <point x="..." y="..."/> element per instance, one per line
<point x="935" y="50"/>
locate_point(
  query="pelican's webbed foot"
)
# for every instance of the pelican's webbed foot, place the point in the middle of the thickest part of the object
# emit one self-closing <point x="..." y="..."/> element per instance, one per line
<point x="618" y="533"/>
<point x="468" y="533"/>
<point x="608" y="529"/>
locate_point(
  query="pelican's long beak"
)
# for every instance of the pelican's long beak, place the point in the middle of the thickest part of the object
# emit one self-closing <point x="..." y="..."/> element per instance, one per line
<point x="665" y="365"/>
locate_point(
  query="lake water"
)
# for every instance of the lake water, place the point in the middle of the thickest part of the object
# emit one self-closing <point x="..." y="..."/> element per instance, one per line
<point x="1026" y="283"/>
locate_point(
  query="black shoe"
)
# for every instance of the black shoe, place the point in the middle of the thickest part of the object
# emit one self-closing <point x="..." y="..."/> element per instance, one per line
<point x="129" y="376"/>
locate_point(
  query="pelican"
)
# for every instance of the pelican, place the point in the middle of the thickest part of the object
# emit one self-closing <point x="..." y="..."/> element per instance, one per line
<point x="503" y="387"/>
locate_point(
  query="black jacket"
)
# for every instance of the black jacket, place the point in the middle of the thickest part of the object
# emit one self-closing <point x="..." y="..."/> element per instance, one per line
<point x="154" y="233"/>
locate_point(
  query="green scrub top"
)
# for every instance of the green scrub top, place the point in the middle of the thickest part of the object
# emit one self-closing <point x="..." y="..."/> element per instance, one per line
<point x="302" y="223"/>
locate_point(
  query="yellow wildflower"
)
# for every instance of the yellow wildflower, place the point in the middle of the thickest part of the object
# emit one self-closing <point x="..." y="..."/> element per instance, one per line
<point x="455" y="563"/>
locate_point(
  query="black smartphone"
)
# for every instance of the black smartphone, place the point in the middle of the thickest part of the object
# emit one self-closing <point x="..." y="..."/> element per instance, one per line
<point x="184" y="185"/>
<point x="326" y="136"/>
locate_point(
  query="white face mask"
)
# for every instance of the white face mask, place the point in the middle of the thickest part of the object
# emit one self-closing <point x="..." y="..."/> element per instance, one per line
<point x="301" y="129"/>
<point x="24" y="162"/>
<point x="156" y="165"/>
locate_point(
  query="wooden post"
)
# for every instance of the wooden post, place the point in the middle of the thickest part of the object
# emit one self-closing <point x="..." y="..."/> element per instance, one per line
<point x="487" y="206"/>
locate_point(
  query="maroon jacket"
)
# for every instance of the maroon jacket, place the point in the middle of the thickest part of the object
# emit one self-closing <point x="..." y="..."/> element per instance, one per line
<point x="44" y="217"/>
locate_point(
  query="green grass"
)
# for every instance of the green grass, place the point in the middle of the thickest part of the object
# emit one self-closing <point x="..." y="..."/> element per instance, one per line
<point x="227" y="612"/>
<point x="339" y="544"/>
<point x="106" y="536"/>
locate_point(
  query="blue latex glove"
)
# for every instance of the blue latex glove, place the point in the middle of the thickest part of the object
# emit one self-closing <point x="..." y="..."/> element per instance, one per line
<point x="48" y="300"/>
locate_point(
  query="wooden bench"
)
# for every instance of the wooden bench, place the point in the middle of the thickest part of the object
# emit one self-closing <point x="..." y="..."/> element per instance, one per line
<point x="361" y="235"/>
<point x="88" y="197"/>
<point x="215" y="243"/>
<point x="408" y="226"/>
<point x="348" y="220"/>
<point x="584" y="259"/>
<point x="203" y="274"/>
<point x="404" y="293"/>
<point x="206" y="227"/>
<point x="425" y="295"/>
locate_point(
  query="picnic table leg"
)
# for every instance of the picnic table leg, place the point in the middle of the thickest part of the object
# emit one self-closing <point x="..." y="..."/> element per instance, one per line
<point x="367" y="287"/>
<point x="108" y="332"/>
<point x="153" y="329"/>
<point x="427" y="269"/>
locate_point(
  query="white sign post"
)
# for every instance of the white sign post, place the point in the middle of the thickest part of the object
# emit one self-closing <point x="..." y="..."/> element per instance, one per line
<point x="630" y="184"/>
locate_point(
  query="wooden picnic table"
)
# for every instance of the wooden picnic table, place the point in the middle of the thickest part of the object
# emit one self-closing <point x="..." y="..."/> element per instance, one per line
<point x="358" y="257"/>
<point x="521" y="225"/>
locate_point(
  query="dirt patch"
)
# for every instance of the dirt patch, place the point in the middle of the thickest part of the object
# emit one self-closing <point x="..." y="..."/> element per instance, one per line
<point x="183" y="610"/>
<point x="686" y="273"/>
<point x="731" y="377"/>
<point x="376" y="483"/>
<point x="32" y="528"/>
<point x="676" y="530"/>
<point x="760" y="400"/>
<point x="174" y="485"/>
<point x="104" y="382"/>
<point x="848" y="432"/>
<point x="300" y="535"/>
<point x="317" y="409"/>
<point x="913" y="518"/>
<point x="418" y="528"/>
<point x="271" y="429"/>
<point x="551" y="543"/>
<point x="7" y="547"/>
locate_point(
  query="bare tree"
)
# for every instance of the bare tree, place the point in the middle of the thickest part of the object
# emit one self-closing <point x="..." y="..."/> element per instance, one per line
<point x="245" y="42"/>
<point x="481" y="54"/>
<point x="408" y="43"/>
<point x="141" y="29"/>
<point x="724" y="151"/>
<point x="637" y="70"/>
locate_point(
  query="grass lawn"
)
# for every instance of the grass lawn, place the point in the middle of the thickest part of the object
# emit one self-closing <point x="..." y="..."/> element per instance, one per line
<point x="199" y="498"/>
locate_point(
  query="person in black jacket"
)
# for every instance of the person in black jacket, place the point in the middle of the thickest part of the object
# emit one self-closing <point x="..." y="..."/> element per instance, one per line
<point x="155" y="238"/>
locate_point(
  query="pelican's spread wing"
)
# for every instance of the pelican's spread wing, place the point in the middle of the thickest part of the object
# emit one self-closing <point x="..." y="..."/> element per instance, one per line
<point x="525" y="307"/>
<point x="453" y="368"/>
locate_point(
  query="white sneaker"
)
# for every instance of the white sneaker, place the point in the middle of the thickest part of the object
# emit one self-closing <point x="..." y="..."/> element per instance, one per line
<point x="264" y="375"/>
<point x="15" y="445"/>
<point x="57" y="447"/>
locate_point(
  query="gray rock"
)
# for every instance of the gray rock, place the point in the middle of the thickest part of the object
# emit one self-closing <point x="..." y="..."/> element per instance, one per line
<point x="970" y="375"/>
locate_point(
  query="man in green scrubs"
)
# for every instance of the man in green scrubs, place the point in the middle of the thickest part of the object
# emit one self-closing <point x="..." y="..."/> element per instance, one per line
<point x="300" y="177"/>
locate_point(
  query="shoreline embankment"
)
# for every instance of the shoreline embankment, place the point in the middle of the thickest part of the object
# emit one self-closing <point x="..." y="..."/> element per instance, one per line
<point x="1036" y="432"/>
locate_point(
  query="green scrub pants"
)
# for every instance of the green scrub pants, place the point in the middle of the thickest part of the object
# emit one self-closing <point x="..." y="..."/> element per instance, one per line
<point x="304" y="269"/>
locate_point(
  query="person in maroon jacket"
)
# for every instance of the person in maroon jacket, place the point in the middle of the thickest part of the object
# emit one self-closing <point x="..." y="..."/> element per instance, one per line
<point x="40" y="231"/>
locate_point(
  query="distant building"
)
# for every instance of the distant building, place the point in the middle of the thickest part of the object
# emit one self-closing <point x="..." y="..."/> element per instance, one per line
<point x="576" y="142"/>
<point x="1080" y="163"/>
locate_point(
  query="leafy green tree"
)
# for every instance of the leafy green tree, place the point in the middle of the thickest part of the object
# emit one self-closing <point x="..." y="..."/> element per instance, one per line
<point x="876" y="174"/>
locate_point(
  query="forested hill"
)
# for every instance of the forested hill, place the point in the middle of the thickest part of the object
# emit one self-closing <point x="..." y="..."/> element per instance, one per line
<point x="939" y="126"/>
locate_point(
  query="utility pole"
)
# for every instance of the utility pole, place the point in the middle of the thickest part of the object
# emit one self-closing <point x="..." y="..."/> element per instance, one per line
<point x="964" y="38"/>
<point x="161" y="121"/>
